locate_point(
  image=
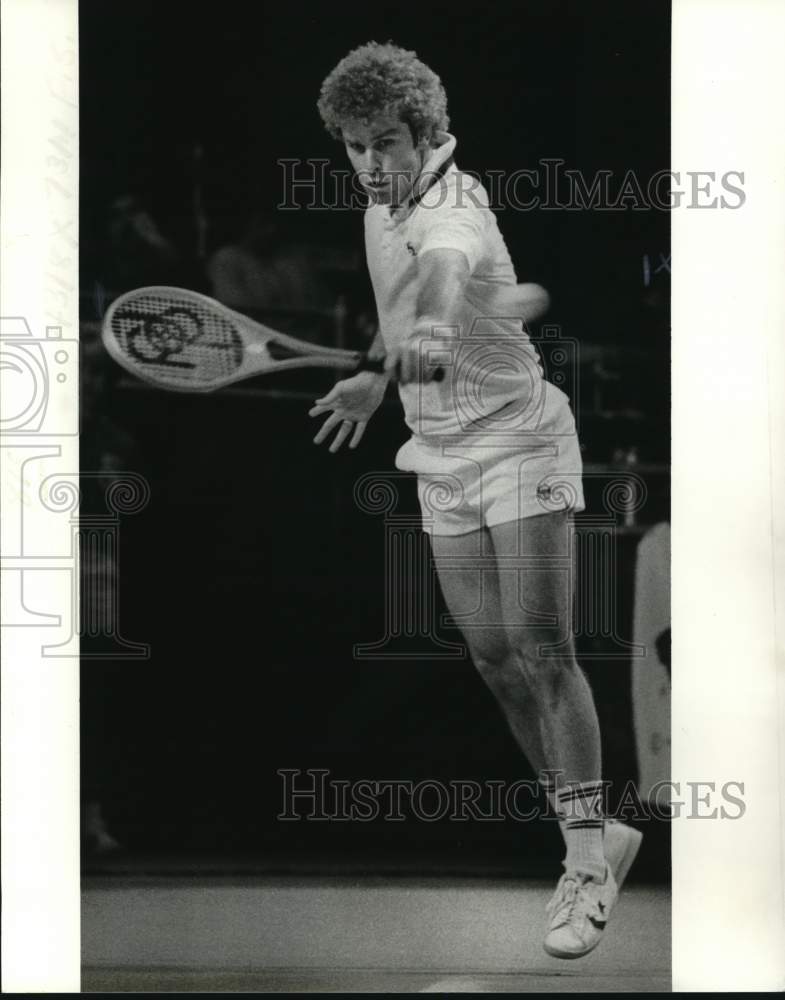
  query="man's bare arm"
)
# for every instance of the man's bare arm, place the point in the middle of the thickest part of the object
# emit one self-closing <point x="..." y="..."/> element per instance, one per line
<point x="440" y="301"/>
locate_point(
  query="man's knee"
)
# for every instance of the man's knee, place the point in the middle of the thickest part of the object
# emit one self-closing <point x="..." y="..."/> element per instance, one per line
<point x="490" y="653"/>
<point x="499" y="667"/>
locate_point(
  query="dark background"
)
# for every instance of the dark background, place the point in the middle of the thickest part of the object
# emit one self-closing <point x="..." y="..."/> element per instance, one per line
<point x="588" y="83"/>
<point x="252" y="573"/>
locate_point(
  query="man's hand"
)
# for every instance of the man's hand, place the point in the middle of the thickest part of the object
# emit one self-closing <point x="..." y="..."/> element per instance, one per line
<point x="351" y="403"/>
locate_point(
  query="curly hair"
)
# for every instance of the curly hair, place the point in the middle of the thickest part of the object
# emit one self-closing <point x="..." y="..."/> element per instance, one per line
<point x="379" y="80"/>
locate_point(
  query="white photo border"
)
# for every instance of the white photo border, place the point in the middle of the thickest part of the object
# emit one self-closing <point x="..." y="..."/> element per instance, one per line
<point x="728" y="497"/>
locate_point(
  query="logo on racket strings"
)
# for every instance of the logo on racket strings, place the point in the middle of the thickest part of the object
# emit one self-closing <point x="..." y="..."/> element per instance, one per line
<point x="161" y="338"/>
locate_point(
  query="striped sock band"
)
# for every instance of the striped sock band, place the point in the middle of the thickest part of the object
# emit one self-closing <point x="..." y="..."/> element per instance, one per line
<point x="580" y="809"/>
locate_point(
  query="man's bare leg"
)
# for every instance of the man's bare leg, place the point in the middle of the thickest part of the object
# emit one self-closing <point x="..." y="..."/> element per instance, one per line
<point x="470" y="584"/>
<point x="510" y="591"/>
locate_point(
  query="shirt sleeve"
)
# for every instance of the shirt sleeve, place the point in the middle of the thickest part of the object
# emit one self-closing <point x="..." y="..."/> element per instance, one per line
<point x="455" y="217"/>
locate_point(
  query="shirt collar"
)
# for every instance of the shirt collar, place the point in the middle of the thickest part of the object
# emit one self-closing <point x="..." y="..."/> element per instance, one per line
<point x="435" y="167"/>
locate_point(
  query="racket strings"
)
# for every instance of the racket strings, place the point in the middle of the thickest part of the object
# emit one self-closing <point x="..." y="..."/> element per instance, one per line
<point x="177" y="340"/>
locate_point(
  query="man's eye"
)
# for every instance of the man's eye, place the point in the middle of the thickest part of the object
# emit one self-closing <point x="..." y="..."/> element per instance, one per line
<point x="384" y="143"/>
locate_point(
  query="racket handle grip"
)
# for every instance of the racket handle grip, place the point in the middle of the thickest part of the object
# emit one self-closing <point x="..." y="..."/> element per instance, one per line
<point x="377" y="365"/>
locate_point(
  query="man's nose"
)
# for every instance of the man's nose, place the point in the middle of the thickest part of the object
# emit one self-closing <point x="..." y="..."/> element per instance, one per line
<point x="372" y="161"/>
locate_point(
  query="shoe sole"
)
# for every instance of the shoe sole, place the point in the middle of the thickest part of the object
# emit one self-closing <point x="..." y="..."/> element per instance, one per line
<point x="555" y="953"/>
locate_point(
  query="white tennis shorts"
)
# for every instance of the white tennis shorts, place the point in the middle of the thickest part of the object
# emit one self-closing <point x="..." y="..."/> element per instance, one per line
<point x="481" y="479"/>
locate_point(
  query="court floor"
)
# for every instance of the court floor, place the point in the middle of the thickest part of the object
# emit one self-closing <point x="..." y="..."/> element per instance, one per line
<point x="345" y="934"/>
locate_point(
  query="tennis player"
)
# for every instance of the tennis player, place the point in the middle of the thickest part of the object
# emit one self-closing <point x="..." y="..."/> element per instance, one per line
<point x="493" y="445"/>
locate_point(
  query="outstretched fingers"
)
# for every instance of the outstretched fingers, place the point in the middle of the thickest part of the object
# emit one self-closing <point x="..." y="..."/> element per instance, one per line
<point x="359" y="430"/>
<point x="343" y="433"/>
<point x="332" y="421"/>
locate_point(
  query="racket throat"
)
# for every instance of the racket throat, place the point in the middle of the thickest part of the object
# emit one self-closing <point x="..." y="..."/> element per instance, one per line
<point x="278" y="352"/>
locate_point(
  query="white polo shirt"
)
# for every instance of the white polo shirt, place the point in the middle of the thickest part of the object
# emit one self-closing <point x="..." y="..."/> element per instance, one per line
<point x="490" y="363"/>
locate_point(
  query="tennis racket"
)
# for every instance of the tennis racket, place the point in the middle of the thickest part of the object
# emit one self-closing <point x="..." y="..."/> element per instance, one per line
<point x="180" y="340"/>
<point x="187" y="342"/>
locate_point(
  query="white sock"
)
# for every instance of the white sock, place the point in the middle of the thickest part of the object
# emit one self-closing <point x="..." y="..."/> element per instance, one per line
<point x="580" y="808"/>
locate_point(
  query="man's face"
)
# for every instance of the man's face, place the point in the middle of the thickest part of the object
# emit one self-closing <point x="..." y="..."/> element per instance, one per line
<point x="385" y="157"/>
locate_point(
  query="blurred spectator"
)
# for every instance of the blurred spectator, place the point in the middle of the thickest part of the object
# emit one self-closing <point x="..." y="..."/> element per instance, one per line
<point x="133" y="252"/>
<point x="261" y="272"/>
<point x="650" y="675"/>
<point x="663" y="645"/>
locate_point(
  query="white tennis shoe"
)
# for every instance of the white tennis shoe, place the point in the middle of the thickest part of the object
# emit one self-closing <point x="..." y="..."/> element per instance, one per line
<point x="578" y="912"/>
<point x="580" y="907"/>
<point x="620" y="844"/>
